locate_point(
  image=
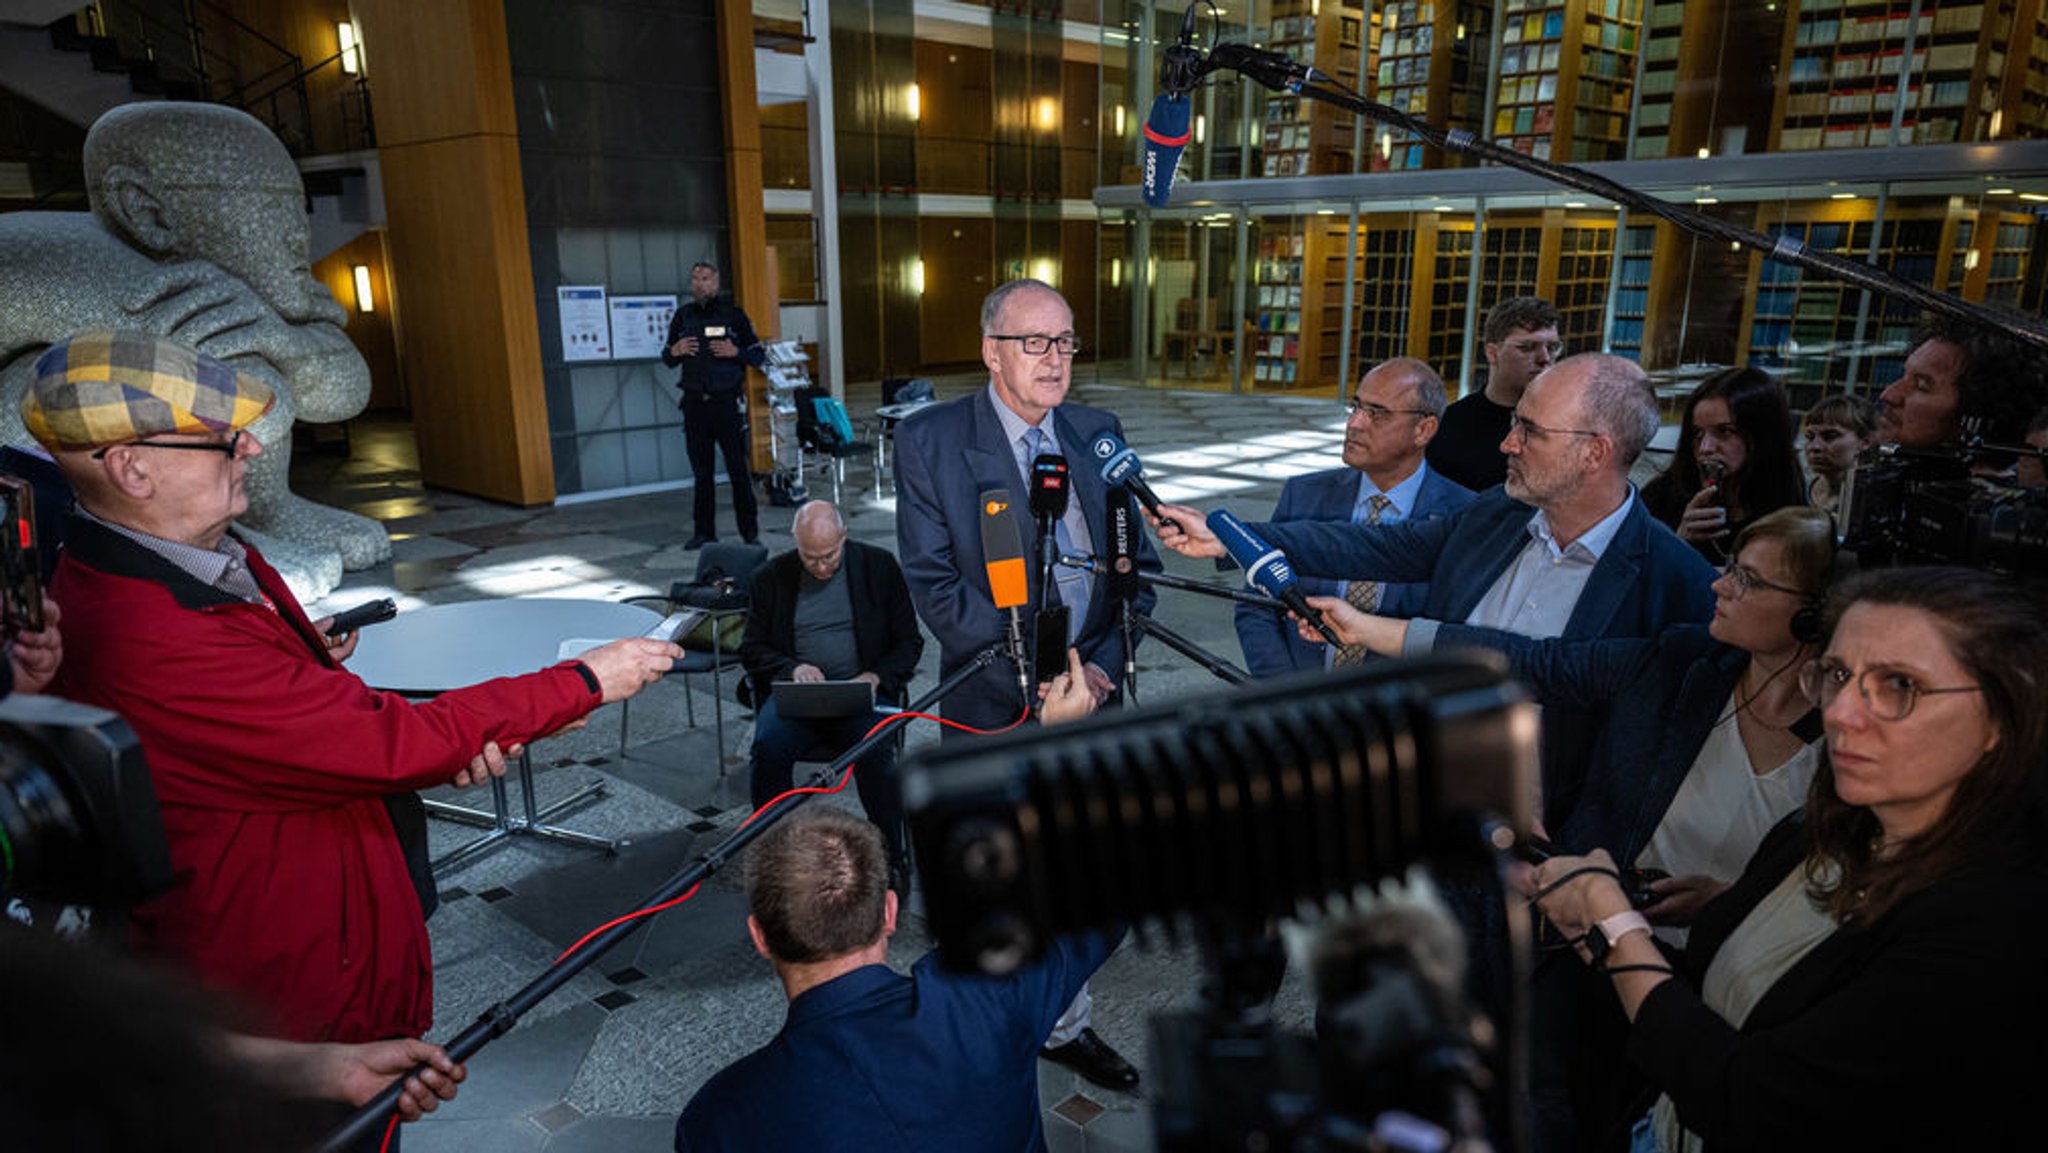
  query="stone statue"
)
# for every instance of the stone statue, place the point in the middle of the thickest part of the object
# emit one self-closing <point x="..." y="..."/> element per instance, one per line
<point x="198" y="232"/>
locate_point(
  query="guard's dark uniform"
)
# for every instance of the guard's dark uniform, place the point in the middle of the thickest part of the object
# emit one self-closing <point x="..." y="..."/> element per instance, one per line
<point x="714" y="416"/>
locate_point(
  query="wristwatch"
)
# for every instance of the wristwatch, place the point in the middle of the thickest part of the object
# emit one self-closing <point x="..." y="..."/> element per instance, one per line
<point x="1605" y="932"/>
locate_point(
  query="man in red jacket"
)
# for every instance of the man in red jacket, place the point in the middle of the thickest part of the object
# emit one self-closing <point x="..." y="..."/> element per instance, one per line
<point x="270" y="761"/>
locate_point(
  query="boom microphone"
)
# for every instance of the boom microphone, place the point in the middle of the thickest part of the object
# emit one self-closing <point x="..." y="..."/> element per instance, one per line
<point x="1265" y="568"/>
<point x="1167" y="133"/>
<point x="1002" y="550"/>
<point x="1167" y="130"/>
<point x="1226" y="810"/>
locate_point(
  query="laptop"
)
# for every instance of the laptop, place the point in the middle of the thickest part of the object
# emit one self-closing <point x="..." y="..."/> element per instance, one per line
<point x="823" y="700"/>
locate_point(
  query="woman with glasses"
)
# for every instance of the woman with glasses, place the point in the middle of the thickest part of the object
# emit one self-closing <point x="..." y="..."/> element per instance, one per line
<point x="1706" y="744"/>
<point x="1734" y="461"/>
<point x="1874" y="978"/>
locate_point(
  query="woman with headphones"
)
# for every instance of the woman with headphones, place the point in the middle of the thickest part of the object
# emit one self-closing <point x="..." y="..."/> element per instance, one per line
<point x="1708" y="743"/>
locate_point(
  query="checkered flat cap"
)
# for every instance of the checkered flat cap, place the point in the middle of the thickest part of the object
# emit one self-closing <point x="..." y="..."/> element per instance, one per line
<point x="100" y="388"/>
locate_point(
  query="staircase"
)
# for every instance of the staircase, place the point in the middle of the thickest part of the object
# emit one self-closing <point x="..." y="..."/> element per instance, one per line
<point x="80" y="62"/>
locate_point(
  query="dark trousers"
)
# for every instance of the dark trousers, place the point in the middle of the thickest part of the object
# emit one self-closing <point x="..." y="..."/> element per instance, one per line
<point x="780" y="742"/>
<point x="713" y="422"/>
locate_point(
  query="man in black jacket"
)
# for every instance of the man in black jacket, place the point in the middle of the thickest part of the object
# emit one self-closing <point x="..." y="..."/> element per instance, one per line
<point x="712" y="341"/>
<point x="831" y="609"/>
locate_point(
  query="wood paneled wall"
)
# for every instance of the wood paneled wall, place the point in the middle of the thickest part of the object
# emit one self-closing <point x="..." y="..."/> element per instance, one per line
<point x="458" y="244"/>
<point x="374" y="333"/>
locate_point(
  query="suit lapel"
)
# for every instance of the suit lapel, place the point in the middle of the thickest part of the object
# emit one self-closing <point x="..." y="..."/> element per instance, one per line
<point x="988" y="459"/>
<point x="1612" y="577"/>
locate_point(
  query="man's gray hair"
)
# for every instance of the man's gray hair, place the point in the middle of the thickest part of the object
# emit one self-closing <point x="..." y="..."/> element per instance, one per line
<point x="1430" y="394"/>
<point x="1618" y="401"/>
<point x="992" y="305"/>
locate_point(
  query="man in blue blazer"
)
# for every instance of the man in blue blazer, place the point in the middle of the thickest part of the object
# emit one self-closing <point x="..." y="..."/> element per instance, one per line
<point x="947" y="456"/>
<point x="1384" y="480"/>
<point x="1564" y="548"/>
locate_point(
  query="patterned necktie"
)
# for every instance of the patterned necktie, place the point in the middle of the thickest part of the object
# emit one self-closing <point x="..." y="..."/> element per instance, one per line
<point x="1363" y="595"/>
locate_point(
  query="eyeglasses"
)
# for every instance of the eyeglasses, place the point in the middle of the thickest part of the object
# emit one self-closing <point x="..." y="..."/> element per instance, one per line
<point x="1746" y="582"/>
<point x="1529" y="428"/>
<point x="228" y="449"/>
<point x="1890" y="693"/>
<point x="1378" y="413"/>
<point x="1532" y="347"/>
<point x="1038" y="344"/>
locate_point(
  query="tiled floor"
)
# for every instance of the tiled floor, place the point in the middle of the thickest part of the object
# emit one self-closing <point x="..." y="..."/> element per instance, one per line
<point x="608" y="1061"/>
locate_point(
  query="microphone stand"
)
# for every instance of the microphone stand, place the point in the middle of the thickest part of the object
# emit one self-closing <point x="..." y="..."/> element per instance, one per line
<point x="1282" y="74"/>
<point x="500" y="1018"/>
<point x="1167" y="580"/>
<point x="1128" y="625"/>
<point x="1218" y="667"/>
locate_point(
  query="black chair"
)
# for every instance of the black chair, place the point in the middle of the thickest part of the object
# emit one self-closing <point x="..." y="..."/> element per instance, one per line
<point x="822" y="427"/>
<point x="725" y="574"/>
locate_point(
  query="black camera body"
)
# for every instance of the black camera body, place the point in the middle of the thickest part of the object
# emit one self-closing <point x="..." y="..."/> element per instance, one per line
<point x="77" y="810"/>
<point x="1924" y="507"/>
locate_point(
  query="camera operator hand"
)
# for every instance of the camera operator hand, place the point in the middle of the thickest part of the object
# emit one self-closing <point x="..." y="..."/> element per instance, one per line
<point x="35" y="656"/>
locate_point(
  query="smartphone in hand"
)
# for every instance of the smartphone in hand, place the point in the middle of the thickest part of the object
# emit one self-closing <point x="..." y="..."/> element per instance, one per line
<point x="349" y="620"/>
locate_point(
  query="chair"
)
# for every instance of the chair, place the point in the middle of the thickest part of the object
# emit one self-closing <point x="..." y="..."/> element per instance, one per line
<point x="823" y="427"/>
<point x="725" y="574"/>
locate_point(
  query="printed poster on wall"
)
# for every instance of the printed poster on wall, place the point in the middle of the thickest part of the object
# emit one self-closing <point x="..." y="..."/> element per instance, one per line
<point x="586" y="326"/>
<point x="639" y="325"/>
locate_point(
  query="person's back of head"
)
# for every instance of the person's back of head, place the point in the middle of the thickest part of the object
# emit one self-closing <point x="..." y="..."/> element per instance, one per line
<point x="817" y="886"/>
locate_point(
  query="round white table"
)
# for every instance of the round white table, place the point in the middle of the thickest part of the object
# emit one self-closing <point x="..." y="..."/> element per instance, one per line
<point x="426" y="651"/>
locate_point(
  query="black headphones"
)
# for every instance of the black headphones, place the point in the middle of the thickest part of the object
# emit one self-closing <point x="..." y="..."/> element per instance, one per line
<point x="1809" y="624"/>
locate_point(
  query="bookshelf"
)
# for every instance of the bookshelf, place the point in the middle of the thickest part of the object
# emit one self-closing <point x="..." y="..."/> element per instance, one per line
<point x="1306" y="137"/>
<point x="1276" y="340"/>
<point x="1567" y="70"/>
<point x="1807" y="327"/>
<point x="1663" y="24"/>
<point x="1386" y="283"/>
<point x="1632" y="291"/>
<point x="1431" y="62"/>
<point x="1444" y="245"/>
<point x="1582" y="268"/>
<point x="1845" y="61"/>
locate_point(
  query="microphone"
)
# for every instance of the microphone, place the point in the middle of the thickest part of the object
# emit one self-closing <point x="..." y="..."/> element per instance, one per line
<point x="1002" y="551"/>
<point x="1265" y="568"/>
<point x="1049" y="485"/>
<point x="1123" y="548"/>
<point x="1167" y="129"/>
<point x="1120" y="467"/>
<point x="1713" y="471"/>
<point x="1167" y="133"/>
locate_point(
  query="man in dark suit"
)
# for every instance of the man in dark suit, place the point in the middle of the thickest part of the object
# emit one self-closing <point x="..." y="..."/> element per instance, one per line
<point x="831" y="609"/>
<point x="948" y="455"/>
<point x="1384" y="481"/>
<point x="1563" y="549"/>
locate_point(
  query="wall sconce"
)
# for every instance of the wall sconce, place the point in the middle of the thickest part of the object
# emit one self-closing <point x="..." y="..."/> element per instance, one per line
<point x="364" y="302"/>
<point x="917" y="276"/>
<point x="916" y="101"/>
<point x="351" y="50"/>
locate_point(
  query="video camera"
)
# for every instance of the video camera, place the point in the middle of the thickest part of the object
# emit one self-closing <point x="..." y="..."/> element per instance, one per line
<point x="1221" y="816"/>
<point x="1922" y="506"/>
<point x="78" y="815"/>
